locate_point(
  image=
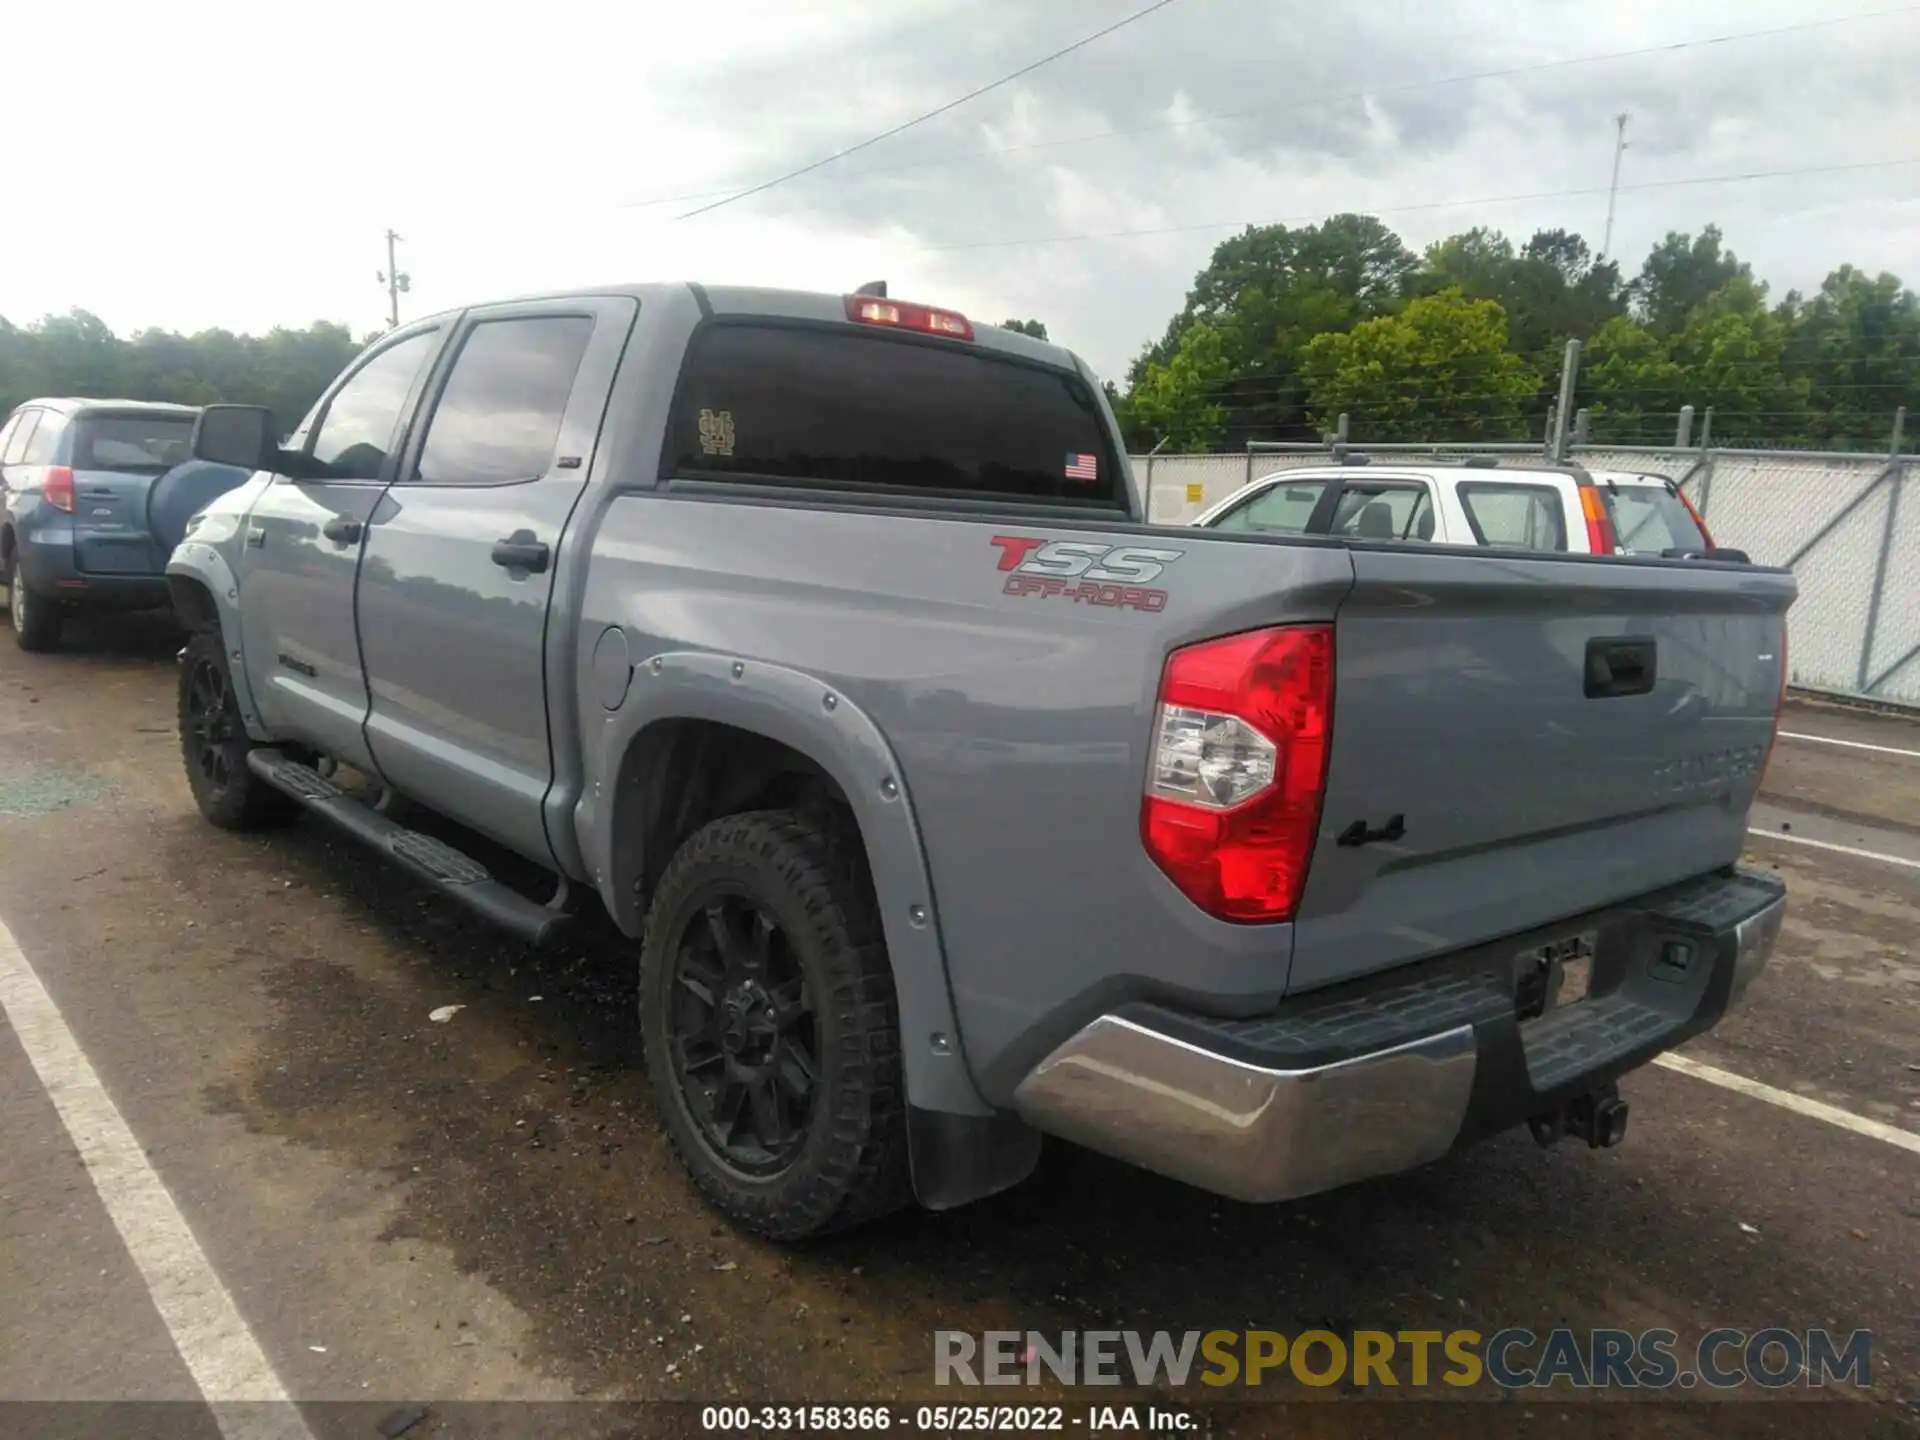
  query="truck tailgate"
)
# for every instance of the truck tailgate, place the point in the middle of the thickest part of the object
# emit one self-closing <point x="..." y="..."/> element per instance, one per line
<point x="1553" y="735"/>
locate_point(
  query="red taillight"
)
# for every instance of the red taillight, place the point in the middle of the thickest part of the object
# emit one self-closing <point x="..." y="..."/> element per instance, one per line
<point x="1706" y="536"/>
<point x="57" y="488"/>
<point x="877" y="310"/>
<point x="1599" y="523"/>
<point x="1779" y="703"/>
<point x="1238" y="769"/>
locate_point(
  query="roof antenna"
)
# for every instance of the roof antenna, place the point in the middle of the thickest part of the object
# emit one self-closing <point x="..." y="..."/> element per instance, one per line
<point x="876" y="288"/>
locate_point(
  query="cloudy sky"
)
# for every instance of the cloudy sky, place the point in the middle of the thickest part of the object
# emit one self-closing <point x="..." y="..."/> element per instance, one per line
<point x="212" y="163"/>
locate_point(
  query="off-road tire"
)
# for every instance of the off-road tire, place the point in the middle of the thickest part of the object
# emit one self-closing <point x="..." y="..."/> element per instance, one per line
<point x="229" y="794"/>
<point x="810" y="876"/>
<point x="34" y="619"/>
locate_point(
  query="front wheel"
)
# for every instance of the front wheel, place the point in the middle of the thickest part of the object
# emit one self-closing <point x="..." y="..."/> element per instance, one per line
<point x="772" y="1035"/>
<point x="36" y="619"/>
<point x="214" y="743"/>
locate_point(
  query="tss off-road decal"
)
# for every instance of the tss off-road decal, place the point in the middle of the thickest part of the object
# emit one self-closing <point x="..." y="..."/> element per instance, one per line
<point x="1084" y="571"/>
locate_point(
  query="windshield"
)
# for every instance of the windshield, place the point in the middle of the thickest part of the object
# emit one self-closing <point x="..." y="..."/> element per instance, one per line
<point x="847" y="409"/>
<point x="131" y="442"/>
<point x="1650" y="519"/>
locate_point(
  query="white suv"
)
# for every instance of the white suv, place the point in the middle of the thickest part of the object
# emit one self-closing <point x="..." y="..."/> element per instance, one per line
<point x="1520" y="506"/>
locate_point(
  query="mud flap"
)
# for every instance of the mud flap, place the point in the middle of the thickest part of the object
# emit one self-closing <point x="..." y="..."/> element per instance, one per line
<point x="961" y="1158"/>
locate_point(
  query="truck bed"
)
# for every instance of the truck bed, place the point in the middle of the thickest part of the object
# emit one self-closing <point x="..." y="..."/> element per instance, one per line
<point x="1020" y="705"/>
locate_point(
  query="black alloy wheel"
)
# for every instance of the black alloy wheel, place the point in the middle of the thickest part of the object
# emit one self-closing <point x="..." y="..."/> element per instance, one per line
<point x="746" y="1041"/>
<point x="208" y="725"/>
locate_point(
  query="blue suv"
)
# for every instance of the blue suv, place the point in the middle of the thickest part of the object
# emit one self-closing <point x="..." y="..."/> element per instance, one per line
<point x="94" y="495"/>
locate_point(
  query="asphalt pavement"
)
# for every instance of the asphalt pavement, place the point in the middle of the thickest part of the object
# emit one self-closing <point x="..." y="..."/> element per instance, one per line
<point x="315" y="1192"/>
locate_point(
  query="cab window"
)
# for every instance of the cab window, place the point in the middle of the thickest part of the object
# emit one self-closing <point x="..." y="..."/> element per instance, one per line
<point x="1651" y="519"/>
<point x="1510" y="516"/>
<point x="1383" y="512"/>
<point x="1283" y="508"/>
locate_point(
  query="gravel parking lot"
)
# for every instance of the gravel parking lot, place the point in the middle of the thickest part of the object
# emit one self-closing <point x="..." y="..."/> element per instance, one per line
<point x="483" y="1209"/>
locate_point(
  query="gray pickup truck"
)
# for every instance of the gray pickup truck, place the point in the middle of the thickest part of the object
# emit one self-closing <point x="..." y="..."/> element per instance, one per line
<point x="948" y="803"/>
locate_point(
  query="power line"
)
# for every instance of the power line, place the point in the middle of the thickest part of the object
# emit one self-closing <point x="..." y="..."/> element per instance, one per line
<point x="1427" y="205"/>
<point x="1027" y="69"/>
<point x="1312" y="103"/>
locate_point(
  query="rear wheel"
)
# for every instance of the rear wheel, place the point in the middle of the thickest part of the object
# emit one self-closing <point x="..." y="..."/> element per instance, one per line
<point x="214" y="744"/>
<point x="772" y="1037"/>
<point x="36" y="619"/>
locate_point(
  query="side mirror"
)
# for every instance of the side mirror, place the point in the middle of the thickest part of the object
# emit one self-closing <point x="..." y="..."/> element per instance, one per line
<point x="240" y="435"/>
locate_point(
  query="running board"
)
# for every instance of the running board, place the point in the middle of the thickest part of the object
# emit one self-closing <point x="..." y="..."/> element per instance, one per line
<point x="458" y="876"/>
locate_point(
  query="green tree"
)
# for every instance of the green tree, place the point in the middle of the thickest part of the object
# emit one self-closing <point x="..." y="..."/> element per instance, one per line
<point x="1857" y="344"/>
<point x="1551" y="289"/>
<point x="1630" y="378"/>
<point x="1180" y="400"/>
<point x="1026" y="327"/>
<point x="1439" y="370"/>
<point x="1680" y="273"/>
<point x="76" y="354"/>
<point x="1730" y="354"/>
<point x="1264" y="294"/>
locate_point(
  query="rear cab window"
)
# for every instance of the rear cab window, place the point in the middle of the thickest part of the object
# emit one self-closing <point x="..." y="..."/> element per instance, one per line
<point x="848" y="409"/>
<point x="146" y="444"/>
<point x="1514" y="515"/>
<point x="1650" y="519"/>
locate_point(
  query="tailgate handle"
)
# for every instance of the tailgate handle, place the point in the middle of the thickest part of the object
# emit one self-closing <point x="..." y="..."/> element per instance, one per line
<point x="1620" y="667"/>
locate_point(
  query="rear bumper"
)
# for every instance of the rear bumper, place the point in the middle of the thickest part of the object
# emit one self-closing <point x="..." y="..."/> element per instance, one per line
<point x="1382" y="1076"/>
<point x="46" y="564"/>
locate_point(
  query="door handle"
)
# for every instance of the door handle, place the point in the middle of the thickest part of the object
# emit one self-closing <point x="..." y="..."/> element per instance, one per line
<point x="256" y="536"/>
<point x="520" y="551"/>
<point x="1620" y="667"/>
<point x="341" y="530"/>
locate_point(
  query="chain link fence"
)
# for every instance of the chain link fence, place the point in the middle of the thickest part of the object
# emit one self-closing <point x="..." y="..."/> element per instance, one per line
<point x="1838" y="520"/>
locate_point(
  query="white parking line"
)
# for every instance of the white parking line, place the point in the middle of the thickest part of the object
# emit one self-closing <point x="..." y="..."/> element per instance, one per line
<point x="1838" y="849"/>
<point x="1787" y="1100"/>
<point x="1849" y="744"/>
<point x="226" y="1362"/>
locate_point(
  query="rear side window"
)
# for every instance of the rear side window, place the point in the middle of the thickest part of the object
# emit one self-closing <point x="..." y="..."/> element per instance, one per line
<point x="44" y="444"/>
<point x="499" y="416"/>
<point x="17" y="438"/>
<point x="1282" y="509"/>
<point x="1650" y="519"/>
<point x="1384" y="512"/>
<point x="1509" y="516"/>
<point x="148" y="444"/>
<point x="849" y="409"/>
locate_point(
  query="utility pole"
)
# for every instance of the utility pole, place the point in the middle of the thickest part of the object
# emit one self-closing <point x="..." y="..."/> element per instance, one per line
<point x="1563" y="416"/>
<point x="1613" y="189"/>
<point x="398" y="282"/>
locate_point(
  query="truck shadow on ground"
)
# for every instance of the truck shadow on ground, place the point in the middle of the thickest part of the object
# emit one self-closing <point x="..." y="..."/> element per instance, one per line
<point x="519" y="1137"/>
<point x="147" y="637"/>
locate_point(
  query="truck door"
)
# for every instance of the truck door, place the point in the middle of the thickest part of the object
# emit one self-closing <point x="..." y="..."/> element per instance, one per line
<point x="463" y="553"/>
<point x="303" y="542"/>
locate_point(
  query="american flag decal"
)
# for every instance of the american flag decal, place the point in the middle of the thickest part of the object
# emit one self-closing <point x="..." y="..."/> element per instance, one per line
<point x="1083" y="467"/>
